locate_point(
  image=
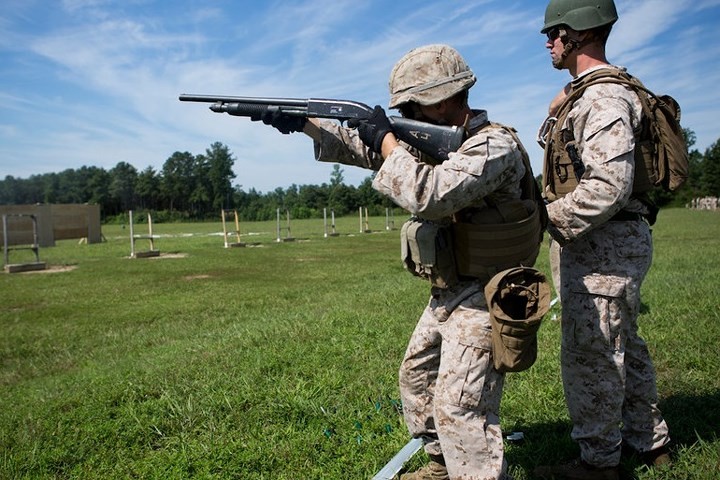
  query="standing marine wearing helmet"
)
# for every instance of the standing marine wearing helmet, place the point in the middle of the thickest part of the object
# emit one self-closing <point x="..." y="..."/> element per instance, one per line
<point x="449" y="385"/>
<point x="601" y="248"/>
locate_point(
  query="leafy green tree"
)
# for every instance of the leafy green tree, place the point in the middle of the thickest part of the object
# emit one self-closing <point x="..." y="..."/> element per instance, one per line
<point x="10" y="190"/>
<point x="369" y="197"/>
<point x="711" y="171"/>
<point x="253" y="205"/>
<point x="67" y="186"/>
<point x="123" y="178"/>
<point x="693" y="186"/>
<point x="35" y="190"/>
<point x="148" y="188"/>
<point x="220" y="175"/>
<point x="199" y="187"/>
<point x="176" y="176"/>
<point x="312" y="199"/>
<point x="344" y="199"/>
<point x="336" y="176"/>
<point x="96" y="185"/>
<point x="338" y="193"/>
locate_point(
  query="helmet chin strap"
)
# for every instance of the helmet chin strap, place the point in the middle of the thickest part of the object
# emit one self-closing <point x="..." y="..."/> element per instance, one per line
<point x="569" y="44"/>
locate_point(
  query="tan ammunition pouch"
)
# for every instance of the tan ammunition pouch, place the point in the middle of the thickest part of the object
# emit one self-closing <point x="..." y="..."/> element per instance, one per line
<point x="517" y="299"/>
<point x="559" y="176"/>
<point x="426" y="251"/>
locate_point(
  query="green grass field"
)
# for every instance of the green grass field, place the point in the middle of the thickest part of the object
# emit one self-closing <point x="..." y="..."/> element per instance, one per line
<point x="279" y="360"/>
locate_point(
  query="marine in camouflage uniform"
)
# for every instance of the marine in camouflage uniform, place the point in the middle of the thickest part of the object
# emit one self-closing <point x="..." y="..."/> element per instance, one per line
<point x="450" y="389"/>
<point x="451" y="395"/>
<point x="602" y="250"/>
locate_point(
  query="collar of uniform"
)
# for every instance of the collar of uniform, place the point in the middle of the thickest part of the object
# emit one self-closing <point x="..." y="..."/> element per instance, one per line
<point x="480" y="119"/>
<point x="577" y="80"/>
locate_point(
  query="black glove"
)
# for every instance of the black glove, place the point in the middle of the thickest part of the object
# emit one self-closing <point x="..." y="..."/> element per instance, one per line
<point x="373" y="129"/>
<point x="283" y="122"/>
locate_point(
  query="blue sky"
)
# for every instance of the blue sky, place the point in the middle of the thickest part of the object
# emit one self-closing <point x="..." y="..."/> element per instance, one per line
<point x="95" y="82"/>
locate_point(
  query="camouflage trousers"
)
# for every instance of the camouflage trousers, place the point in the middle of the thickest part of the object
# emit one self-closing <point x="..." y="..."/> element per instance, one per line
<point x="608" y="376"/>
<point x="450" y="390"/>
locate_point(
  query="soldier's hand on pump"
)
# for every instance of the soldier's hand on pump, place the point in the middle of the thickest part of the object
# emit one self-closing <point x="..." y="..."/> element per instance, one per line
<point x="372" y="130"/>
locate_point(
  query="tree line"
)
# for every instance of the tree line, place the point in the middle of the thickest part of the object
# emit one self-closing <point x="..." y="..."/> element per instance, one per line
<point x="188" y="187"/>
<point x="197" y="187"/>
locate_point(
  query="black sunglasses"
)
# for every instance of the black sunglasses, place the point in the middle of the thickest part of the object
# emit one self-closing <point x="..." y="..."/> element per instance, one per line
<point x="553" y="34"/>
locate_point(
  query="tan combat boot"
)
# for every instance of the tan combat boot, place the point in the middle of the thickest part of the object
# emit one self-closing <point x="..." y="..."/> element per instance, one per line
<point x="577" y="470"/>
<point x="431" y="471"/>
<point x="660" y="457"/>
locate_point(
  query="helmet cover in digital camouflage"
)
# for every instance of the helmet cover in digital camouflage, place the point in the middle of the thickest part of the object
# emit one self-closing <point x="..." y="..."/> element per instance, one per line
<point x="428" y="75"/>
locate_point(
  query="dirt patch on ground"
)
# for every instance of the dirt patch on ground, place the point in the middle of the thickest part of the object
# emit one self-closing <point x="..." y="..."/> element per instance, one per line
<point x="195" y="277"/>
<point x="49" y="269"/>
<point x="168" y="255"/>
<point x="159" y="256"/>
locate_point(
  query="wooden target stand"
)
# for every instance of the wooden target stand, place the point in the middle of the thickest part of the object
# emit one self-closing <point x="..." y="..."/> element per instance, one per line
<point x="150" y="237"/>
<point x="288" y="237"/>
<point x="236" y="232"/>
<point x="34" y="246"/>
<point x="364" y="224"/>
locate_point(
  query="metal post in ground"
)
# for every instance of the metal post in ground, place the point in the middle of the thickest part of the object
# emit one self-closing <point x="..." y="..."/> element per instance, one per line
<point x="389" y="219"/>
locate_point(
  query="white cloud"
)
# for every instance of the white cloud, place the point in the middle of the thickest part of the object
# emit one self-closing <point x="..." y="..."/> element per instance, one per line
<point x="641" y="22"/>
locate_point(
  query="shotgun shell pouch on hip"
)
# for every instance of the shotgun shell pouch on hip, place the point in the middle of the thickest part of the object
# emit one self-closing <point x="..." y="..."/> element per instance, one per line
<point x="517" y="299"/>
<point x="426" y="252"/>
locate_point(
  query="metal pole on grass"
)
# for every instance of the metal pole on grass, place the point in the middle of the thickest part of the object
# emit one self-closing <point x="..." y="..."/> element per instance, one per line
<point x="277" y="214"/>
<point x="5" y="239"/>
<point x="392" y="468"/>
<point x="225" y="232"/>
<point x="132" y="236"/>
<point x="325" y="222"/>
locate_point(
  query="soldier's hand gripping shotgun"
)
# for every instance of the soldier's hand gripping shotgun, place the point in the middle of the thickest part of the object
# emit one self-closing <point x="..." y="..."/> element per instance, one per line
<point x="433" y="140"/>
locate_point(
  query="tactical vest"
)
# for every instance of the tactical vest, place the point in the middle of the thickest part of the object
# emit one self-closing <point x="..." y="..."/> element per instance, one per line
<point x="660" y="151"/>
<point x="481" y="240"/>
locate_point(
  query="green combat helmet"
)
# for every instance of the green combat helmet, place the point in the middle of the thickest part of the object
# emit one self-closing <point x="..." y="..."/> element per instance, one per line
<point x="428" y="75"/>
<point x="579" y="14"/>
